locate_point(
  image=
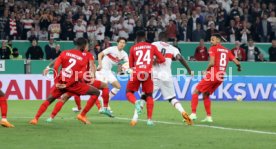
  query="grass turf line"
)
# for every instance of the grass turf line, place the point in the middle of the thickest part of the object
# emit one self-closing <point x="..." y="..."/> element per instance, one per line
<point x="114" y="133"/>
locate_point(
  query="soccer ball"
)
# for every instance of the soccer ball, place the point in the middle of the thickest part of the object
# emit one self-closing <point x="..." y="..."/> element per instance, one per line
<point x="239" y="98"/>
<point x="126" y="69"/>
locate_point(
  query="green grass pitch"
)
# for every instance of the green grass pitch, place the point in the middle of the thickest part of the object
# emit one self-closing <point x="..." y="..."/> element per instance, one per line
<point x="238" y="123"/>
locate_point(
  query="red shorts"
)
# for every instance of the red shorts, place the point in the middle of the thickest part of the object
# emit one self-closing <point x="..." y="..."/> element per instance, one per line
<point x="206" y="85"/>
<point x="78" y="88"/>
<point x="97" y="84"/>
<point x="134" y="84"/>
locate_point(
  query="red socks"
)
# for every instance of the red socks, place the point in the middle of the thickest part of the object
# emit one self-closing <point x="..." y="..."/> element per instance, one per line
<point x="57" y="108"/>
<point x="150" y="104"/>
<point x="3" y="106"/>
<point x="207" y="105"/>
<point x="42" y="109"/>
<point x="98" y="104"/>
<point x="194" y="102"/>
<point x="78" y="101"/>
<point x="105" y="95"/>
<point x="131" y="97"/>
<point x="89" y="104"/>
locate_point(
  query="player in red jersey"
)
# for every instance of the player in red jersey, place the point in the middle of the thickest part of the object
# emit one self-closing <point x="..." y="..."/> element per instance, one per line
<point x="141" y="61"/>
<point x="219" y="57"/>
<point x="4" y="109"/>
<point x="90" y="81"/>
<point x="70" y="79"/>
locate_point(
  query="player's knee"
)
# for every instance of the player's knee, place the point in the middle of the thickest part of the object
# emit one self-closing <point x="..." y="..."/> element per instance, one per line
<point x="148" y="95"/>
<point x="104" y="85"/>
<point x="206" y="94"/>
<point x="97" y="92"/>
<point x="170" y="100"/>
<point x="143" y="97"/>
<point x="196" y="92"/>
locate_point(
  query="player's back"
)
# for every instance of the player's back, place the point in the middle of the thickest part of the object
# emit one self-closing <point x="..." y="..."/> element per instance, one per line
<point x="169" y="52"/>
<point x="141" y="56"/>
<point x="222" y="57"/>
<point x="73" y="62"/>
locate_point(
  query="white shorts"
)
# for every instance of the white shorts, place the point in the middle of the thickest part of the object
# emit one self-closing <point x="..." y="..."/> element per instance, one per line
<point x="106" y="76"/>
<point x="166" y="88"/>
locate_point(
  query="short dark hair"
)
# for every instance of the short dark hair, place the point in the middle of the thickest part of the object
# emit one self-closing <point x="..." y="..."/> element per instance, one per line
<point x="217" y="35"/>
<point x="140" y="34"/>
<point x="162" y="36"/>
<point x="121" y="38"/>
<point x="81" y="42"/>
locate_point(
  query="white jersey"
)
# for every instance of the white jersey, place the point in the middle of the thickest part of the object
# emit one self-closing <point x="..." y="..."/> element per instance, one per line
<point x="112" y="56"/>
<point x="163" y="71"/>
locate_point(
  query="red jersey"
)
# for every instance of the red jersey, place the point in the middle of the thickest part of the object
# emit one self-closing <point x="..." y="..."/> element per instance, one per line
<point x="141" y="56"/>
<point x="74" y="64"/>
<point x="222" y="57"/>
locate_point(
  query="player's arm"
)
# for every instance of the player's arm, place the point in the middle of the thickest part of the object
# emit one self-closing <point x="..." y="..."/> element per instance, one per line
<point x="100" y="58"/>
<point x="131" y="59"/>
<point x="56" y="67"/>
<point x="92" y="68"/>
<point x="159" y="55"/>
<point x="232" y="57"/>
<point x="46" y="70"/>
<point x="181" y="59"/>
<point x="211" y="63"/>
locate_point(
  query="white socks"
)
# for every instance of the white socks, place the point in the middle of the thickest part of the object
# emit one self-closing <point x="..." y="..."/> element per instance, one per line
<point x="177" y="105"/>
<point x="113" y="92"/>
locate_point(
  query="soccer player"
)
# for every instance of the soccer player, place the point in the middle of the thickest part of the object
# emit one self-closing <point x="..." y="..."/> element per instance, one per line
<point x="219" y="57"/>
<point x="70" y="79"/>
<point x="107" y="59"/>
<point x="162" y="76"/>
<point x="141" y="61"/>
<point x="4" y="109"/>
<point x="95" y="83"/>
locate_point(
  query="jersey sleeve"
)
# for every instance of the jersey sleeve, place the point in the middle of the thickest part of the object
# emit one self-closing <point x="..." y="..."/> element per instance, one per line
<point x="212" y="52"/>
<point x="125" y="57"/>
<point x="175" y="51"/>
<point x="107" y="51"/>
<point x="231" y="56"/>
<point x="160" y="57"/>
<point x="131" y="58"/>
<point x="90" y="57"/>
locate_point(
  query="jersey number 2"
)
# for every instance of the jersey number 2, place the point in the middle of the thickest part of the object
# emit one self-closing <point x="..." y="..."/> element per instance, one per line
<point x="68" y="70"/>
<point x="143" y="57"/>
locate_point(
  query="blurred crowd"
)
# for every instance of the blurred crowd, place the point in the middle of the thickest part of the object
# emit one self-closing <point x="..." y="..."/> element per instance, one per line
<point x="183" y="20"/>
<point x="101" y="21"/>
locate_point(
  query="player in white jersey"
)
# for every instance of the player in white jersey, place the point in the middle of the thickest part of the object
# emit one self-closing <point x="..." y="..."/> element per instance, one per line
<point x="163" y="79"/>
<point x="107" y="59"/>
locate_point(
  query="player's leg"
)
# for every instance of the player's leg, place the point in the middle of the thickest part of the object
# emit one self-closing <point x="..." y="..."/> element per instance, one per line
<point x="143" y="97"/>
<point x="43" y="107"/>
<point x="194" y="103"/>
<point x="94" y="94"/>
<point x="167" y="90"/>
<point x="65" y="97"/>
<point x="4" y="109"/>
<point x="207" y="105"/>
<point x="105" y="95"/>
<point x="78" y="103"/>
<point x="206" y="99"/>
<point x="147" y="87"/>
<point x="133" y="86"/>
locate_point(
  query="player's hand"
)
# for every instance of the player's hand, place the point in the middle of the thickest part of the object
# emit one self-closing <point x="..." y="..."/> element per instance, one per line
<point x="204" y="73"/>
<point x="239" y="69"/>
<point x="60" y="86"/>
<point x="191" y="73"/>
<point x="99" y="67"/>
<point x="45" y="71"/>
